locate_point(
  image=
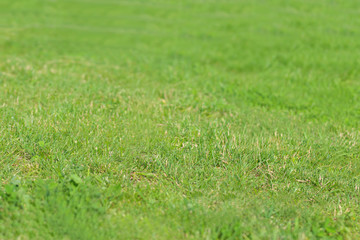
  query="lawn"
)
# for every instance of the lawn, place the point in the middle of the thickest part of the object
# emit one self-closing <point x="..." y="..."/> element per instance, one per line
<point x="188" y="119"/>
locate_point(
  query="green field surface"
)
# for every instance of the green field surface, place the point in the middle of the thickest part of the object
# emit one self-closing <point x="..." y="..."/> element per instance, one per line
<point x="188" y="119"/>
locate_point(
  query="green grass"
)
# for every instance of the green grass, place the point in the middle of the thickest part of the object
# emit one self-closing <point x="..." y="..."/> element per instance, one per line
<point x="189" y="119"/>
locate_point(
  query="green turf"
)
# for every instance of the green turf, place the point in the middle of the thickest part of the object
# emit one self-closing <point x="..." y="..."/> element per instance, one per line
<point x="188" y="119"/>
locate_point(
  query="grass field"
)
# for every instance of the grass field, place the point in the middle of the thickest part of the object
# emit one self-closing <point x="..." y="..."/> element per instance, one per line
<point x="188" y="119"/>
